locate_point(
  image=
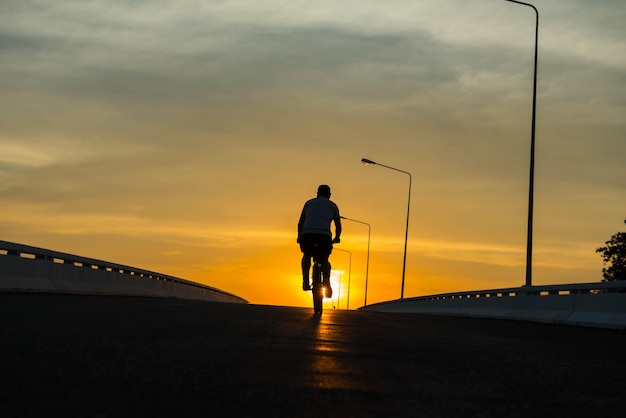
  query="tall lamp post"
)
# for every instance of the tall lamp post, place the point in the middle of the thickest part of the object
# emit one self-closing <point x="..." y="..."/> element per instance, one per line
<point x="529" y="242"/>
<point x="367" y="264"/>
<point x="408" y="210"/>
<point x="349" y="274"/>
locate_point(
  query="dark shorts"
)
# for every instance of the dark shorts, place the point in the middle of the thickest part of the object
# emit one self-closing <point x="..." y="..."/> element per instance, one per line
<point x="310" y="244"/>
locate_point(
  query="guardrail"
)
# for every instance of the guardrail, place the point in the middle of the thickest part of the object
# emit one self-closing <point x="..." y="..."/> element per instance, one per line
<point x="600" y="304"/>
<point x="31" y="269"/>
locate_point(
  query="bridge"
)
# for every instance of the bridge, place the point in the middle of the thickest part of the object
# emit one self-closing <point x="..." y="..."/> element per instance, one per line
<point x="27" y="268"/>
<point x="601" y="304"/>
<point x="84" y="354"/>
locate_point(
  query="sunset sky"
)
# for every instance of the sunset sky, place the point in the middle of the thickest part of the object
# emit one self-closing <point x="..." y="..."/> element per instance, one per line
<point x="183" y="137"/>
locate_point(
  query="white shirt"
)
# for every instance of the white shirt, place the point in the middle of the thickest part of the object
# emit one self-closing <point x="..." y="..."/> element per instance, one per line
<point x="317" y="214"/>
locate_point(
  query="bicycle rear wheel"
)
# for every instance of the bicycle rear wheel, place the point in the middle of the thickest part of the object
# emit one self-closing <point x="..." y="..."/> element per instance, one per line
<point x="317" y="289"/>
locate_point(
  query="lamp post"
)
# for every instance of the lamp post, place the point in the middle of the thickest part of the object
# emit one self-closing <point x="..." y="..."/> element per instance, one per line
<point x="367" y="264"/>
<point x="408" y="210"/>
<point x="349" y="274"/>
<point x="529" y="242"/>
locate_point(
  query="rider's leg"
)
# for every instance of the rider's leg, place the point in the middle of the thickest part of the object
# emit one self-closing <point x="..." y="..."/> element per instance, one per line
<point x="326" y="274"/>
<point x="327" y="250"/>
<point x="305" y="247"/>
<point x="306" y="267"/>
<point x="326" y="271"/>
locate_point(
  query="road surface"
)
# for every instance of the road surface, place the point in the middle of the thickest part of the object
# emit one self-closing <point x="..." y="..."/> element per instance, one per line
<point x="103" y="356"/>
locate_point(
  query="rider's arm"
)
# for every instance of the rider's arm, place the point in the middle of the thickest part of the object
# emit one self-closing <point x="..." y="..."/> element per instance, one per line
<point x="337" y="230"/>
<point x="301" y="224"/>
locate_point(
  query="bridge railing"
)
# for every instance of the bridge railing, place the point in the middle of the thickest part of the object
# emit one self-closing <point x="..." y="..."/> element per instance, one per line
<point x="27" y="268"/>
<point x="600" y="304"/>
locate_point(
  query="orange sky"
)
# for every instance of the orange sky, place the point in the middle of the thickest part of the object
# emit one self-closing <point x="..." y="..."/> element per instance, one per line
<point x="185" y="138"/>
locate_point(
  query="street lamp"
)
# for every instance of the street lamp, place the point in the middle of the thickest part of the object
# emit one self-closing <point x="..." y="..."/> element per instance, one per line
<point x="367" y="265"/>
<point x="529" y="242"/>
<point x="349" y="274"/>
<point x="408" y="210"/>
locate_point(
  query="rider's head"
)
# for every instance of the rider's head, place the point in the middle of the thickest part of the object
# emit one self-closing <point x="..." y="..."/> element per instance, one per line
<point x="323" y="190"/>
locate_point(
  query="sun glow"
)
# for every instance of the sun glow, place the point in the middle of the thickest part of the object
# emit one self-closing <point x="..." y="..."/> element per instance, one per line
<point x="340" y="285"/>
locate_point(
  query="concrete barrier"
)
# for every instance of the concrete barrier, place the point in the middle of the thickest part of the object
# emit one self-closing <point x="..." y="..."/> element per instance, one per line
<point x="601" y="304"/>
<point x="30" y="269"/>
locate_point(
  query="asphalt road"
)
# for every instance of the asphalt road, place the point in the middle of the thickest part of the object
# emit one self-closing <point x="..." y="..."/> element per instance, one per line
<point x="102" y="356"/>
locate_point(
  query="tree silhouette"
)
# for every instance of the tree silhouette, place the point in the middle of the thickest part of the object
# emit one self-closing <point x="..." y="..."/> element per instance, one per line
<point x="614" y="254"/>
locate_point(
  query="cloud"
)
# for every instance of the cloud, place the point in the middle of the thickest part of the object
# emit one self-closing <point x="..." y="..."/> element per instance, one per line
<point x="16" y="154"/>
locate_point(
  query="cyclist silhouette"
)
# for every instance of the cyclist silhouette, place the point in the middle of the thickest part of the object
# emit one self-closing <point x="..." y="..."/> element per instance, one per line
<point x="314" y="234"/>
